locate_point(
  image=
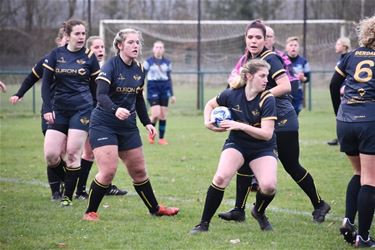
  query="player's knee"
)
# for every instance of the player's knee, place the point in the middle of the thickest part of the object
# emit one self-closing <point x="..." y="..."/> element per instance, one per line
<point x="268" y="187"/>
<point x="221" y="181"/>
<point x="52" y="158"/>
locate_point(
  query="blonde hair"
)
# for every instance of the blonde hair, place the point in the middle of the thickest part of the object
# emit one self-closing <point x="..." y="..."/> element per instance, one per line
<point x="91" y="39"/>
<point x="121" y="36"/>
<point x="366" y="32"/>
<point x="345" y="42"/>
<point x="252" y="67"/>
<point x="292" y="38"/>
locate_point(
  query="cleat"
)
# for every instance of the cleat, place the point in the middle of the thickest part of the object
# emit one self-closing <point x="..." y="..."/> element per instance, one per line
<point x="81" y="196"/>
<point x="167" y="211"/>
<point x="334" y="142"/>
<point x="320" y="212"/>
<point x="254" y="186"/>
<point x="360" y="243"/>
<point x="66" y="202"/>
<point x="349" y="231"/>
<point x="56" y="196"/>
<point x="91" y="216"/>
<point x="114" y="190"/>
<point x="262" y="219"/>
<point x="151" y="139"/>
<point x="163" y="141"/>
<point x="200" y="228"/>
<point x="235" y="214"/>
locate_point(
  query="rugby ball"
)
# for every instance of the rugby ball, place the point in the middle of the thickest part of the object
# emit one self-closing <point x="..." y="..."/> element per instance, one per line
<point x="220" y="114"/>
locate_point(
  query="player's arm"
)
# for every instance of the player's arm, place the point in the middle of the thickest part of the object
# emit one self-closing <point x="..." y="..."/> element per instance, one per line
<point x="277" y="73"/>
<point x="141" y="109"/>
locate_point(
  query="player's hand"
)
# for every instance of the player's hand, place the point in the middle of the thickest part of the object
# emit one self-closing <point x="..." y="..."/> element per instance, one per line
<point x="3" y="87"/>
<point x="14" y="99"/>
<point x="49" y="117"/>
<point x="301" y="76"/>
<point x="211" y="126"/>
<point x="122" y="113"/>
<point x="231" y="125"/>
<point x="151" y="130"/>
<point x="173" y="99"/>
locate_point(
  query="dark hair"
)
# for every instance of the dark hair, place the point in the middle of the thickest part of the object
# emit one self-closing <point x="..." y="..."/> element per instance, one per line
<point x="68" y="25"/>
<point x="256" y="24"/>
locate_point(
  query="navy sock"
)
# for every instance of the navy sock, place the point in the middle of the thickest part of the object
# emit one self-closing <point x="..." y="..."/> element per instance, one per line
<point x="212" y="203"/>
<point x="352" y="191"/>
<point x="96" y="194"/>
<point x="147" y="195"/>
<point x="366" y="205"/>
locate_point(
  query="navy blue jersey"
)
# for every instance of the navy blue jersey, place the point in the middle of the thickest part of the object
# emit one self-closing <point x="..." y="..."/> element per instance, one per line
<point x="159" y="71"/>
<point x="125" y="86"/>
<point x="300" y="64"/>
<point x="73" y="72"/>
<point x="358" y="103"/>
<point x="283" y="102"/>
<point x="262" y="107"/>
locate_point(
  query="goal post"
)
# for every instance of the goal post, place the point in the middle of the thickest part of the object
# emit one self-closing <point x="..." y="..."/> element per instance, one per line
<point x="222" y="43"/>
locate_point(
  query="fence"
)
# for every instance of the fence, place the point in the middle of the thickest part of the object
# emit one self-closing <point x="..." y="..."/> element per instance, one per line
<point x="319" y="78"/>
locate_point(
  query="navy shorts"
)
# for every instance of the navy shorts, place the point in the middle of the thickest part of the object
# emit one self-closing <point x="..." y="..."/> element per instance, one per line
<point x="44" y="125"/>
<point x="356" y="137"/>
<point x="65" y="120"/>
<point x="100" y="135"/>
<point x="288" y="122"/>
<point x="158" y="93"/>
<point x="249" y="154"/>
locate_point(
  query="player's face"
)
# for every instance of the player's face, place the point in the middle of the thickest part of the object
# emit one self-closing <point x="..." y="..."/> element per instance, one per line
<point x="292" y="48"/>
<point x="259" y="80"/>
<point x="77" y="37"/>
<point x="130" y="48"/>
<point x="340" y="48"/>
<point x="158" y="50"/>
<point x="270" y="39"/>
<point x="255" y="41"/>
<point x="97" y="47"/>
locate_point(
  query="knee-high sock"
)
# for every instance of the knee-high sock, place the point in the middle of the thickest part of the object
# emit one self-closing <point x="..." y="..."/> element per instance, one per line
<point x="366" y="205"/>
<point x="84" y="175"/>
<point x="262" y="201"/>
<point x="242" y="190"/>
<point x="162" y="128"/>
<point x="71" y="177"/>
<point x="213" y="199"/>
<point x="145" y="191"/>
<point x="352" y="191"/>
<point x="96" y="194"/>
<point x="53" y="180"/>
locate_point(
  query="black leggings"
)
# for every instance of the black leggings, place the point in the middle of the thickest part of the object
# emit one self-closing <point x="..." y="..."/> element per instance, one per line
<point x="288" y="149"/>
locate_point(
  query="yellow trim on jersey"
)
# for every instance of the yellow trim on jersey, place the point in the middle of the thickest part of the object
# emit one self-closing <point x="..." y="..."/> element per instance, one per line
<point x="266" y="53"/>
<point x="90" y="54"/>
<point x="277" y="73"/>
<point x="34" y="72"/>
<point x="264" y="97"/>
<point x="104" y="79"/>
<point x="96" y="72"/>
<point x="340" y="72"/>
<point x="87" y="51"/>
<point x="48" y="67"/>
<point x="269" y="118"/>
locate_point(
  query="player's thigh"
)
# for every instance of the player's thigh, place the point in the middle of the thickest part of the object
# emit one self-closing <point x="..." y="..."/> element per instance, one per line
<point x="265" y="170"/>
<point x="367" y="169"/>
<point x="135" y="163"/>
<point x="76" y="140"/>
<point x="155" y="110"/>
<point x="87" y="153"/>
<point x="356" y="163"/>
<point x="163" y="112"/>
<point x="54" y="142"/>
<point x="230" y="161"/>
<point x="107" y="160"/>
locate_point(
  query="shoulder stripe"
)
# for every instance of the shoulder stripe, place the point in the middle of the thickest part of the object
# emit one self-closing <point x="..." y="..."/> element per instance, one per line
<point x="48" y="67"/>
<point x="266" y="53"/>
<point x="90" y="54"/>
<point x="340" y="72"/>
<point x="87" y="51"/>
<point x="104" y="79"/>
<point x="95" y="73"/>
<point x="279" y="72"/>
<point x="264" y="97"/>
<point x="34" y="72"/>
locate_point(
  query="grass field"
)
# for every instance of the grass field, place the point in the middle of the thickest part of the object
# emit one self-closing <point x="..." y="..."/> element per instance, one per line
<point x="180" y="174"/>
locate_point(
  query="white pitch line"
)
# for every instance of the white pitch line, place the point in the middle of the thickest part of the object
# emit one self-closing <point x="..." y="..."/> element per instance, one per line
<point x="130" y="193"/>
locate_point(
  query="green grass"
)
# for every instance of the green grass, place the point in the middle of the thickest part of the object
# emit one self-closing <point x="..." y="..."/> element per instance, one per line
<point x="180" y="174"/>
